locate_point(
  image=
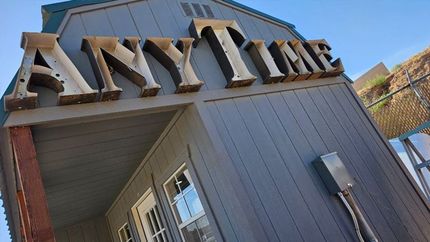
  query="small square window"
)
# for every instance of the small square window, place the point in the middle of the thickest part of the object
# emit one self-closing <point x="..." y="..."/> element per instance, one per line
<point x="125" y="234"/>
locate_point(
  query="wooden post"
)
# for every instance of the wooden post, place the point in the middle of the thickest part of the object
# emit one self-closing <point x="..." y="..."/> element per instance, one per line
<point x="35" y="204"/>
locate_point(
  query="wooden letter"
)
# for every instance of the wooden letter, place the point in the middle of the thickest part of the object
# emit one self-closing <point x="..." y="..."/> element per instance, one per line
<point x="321" y="50"/>
<point x="294" y="60"/>
<point x="128" y="60"/>
<point x="223" y="36"/>
<point x="35" y="213"/>
<point x="264" y="62"/>
<point x="45" y="63"/>
<point x="176" y="59"/>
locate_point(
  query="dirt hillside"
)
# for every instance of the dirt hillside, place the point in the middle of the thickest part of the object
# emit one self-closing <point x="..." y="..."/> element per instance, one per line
<point x="403" y="111"/>
<point x="417" y="66"/>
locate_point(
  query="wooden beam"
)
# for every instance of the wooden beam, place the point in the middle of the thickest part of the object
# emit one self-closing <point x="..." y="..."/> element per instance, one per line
<point x="36" y="208"/>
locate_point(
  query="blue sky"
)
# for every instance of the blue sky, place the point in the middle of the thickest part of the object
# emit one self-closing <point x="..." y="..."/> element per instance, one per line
<point x="361" y="32"/>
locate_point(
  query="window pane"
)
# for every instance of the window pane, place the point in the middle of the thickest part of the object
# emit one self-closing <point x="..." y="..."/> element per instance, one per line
<point x="172" y="190"/>
<point x="181" y="210"/>
<point x="191" y="233"/>
<point x="205" y="230"/>
<point x="183" y="182"/>
<point x="149" y="223"/>
<point x="193" y="202"/>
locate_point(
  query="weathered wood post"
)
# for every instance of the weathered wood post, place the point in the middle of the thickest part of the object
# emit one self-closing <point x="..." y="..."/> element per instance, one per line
<point x="34" y="208"/>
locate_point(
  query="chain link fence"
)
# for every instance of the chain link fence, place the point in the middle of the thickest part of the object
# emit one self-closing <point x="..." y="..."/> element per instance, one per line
<point x="404" y="109"/>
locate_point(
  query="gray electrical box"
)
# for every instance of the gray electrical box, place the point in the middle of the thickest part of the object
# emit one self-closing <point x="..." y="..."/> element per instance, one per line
<point x="333" y="172"/>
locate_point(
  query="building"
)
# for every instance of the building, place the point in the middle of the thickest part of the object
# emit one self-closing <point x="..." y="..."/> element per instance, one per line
<point x="379" y="70"/>
<point x="206" y="130"/>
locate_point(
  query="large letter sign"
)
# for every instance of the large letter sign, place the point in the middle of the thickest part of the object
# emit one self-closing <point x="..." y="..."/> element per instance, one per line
<point x="223" y="36"/>
<point x="128" y="60"/>
<point x="45" y="64"/>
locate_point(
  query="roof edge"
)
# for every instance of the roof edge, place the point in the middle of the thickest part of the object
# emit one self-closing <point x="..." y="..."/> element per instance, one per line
<point x="53" y="14"/>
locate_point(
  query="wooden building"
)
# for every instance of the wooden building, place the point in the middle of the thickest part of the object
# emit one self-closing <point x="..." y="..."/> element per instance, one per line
<point x="205" y="130"/>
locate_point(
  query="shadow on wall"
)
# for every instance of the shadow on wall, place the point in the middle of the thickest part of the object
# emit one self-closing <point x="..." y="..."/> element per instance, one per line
<point x="422" y="142"/>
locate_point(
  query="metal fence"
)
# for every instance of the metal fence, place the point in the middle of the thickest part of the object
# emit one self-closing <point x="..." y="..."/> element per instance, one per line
<point x="405" y="108"/>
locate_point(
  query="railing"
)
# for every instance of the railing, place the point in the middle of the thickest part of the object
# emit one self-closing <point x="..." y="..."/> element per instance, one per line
<point x="404" y="109"/>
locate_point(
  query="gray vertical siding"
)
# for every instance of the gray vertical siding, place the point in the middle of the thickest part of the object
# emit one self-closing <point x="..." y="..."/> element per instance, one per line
<point x="273" y="138"/>
<point x="95" y="230"/>
<point x="226" y="216"/>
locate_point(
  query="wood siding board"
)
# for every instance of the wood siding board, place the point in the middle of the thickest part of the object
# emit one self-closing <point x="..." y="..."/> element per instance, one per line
<point x="347" y="147"/>
<point x="140" y="13"/>
<point x="205" y="185"/>
<point x="73" y="162"/>
<point x="150" y="131"/>
<point x="98" y="149"/>
<point x="256" y="167"/>
<point x="229" y="14"/>
<point x="312" y="192"/>
<point x="392" y="198"/>
<point x="89" y="229"/>
<point x="64" y="176"/>
<point x="264" y="29"/>
<point x="404" y="201"/>
<point x="245" y="221"/>
<point x="61" y="236"/>
<point x="181" y="29"/>
<point x="63" y="196"/>
<point x="162" y="161"/>
<point x="314" y="137"/>
<point x="147" y="26"/>
<point x="98" y="23"/>
<point x="103" y="230"/>
<point x="122" y="25"/>
<point x="301" y="217"/>
<point x="51" y="133"/>
<point x="75" y="234"/>
<point x="70" y="42"/>
<point x="243" y="173"/>
<point x="166" y="24"/>
<point x="223" y="185"/>
<point x="166" y="148"/>
<point x="301" y="143"/>
<point x="280" y="32"/>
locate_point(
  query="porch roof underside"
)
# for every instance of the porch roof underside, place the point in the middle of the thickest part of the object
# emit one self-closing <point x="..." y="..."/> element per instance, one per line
<point x="85" y="166"/>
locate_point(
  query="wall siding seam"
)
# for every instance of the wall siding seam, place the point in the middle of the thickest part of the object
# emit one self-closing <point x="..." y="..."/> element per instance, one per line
<point x="359" y="155"/>
<point x="246" y="169"/>
<point x="290" y="173"/>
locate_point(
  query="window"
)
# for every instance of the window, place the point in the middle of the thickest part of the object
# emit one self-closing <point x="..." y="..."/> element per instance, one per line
<point x="194" y="9"/>
<point x="125" y="234"/>
<point x="148" y="216"/>
<point x="187" y="208"/>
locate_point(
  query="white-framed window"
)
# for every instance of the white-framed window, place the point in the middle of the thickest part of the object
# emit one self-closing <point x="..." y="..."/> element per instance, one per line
<point x="187" y="208"/>
<point x="125" y="233"/>
<point x="148" y="220"/>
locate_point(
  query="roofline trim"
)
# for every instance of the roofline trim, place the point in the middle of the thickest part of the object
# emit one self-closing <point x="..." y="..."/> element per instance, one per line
<point x="56" y="12"/>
